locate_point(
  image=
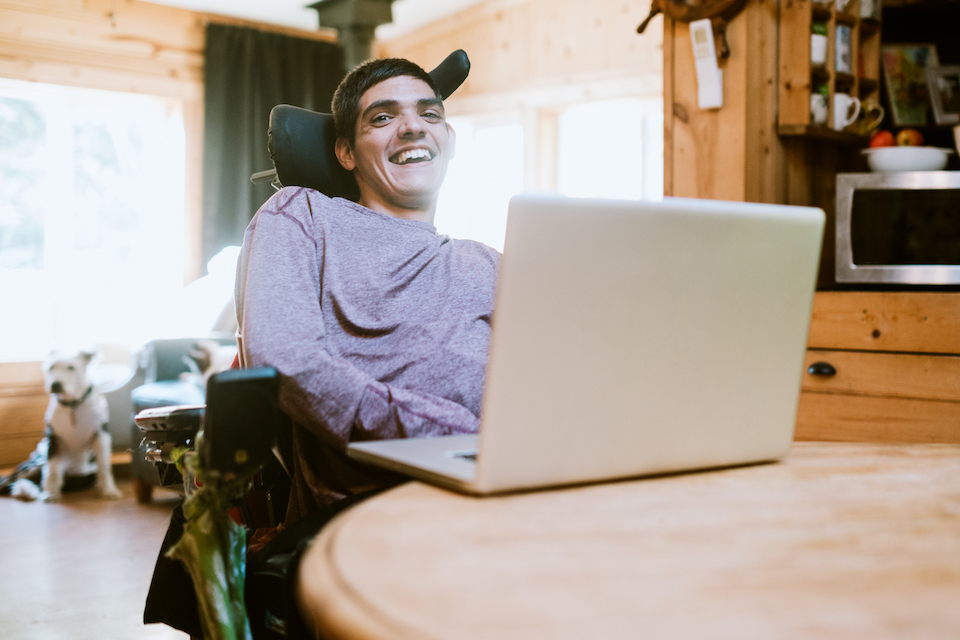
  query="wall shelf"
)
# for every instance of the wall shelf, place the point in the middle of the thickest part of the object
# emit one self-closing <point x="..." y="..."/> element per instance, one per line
<point x="822" y="133"/>
<point x="799" y="78"/>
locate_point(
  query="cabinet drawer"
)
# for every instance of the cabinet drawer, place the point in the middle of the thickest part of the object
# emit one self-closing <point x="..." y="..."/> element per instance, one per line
<point x="21" y="427"/>
<point x="894" y="375"/>
<point x="886" y="321"/>
<point x="850" y="418"/>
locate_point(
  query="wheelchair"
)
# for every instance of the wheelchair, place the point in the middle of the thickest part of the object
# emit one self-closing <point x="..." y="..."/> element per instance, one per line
<point x="244" y="430"/>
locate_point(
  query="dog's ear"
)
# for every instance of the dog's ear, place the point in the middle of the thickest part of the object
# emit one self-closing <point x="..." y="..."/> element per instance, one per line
<point x="87" y="355"/>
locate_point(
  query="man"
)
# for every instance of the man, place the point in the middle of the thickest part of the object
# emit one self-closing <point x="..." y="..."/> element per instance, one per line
<point x="377" y="325"/>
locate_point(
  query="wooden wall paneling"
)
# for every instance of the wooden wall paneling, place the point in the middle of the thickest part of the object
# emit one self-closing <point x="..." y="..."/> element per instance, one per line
<point x="794" y="82"/>
<point x="854" y="8"/>
<point x="894" y="375"/>
<point x="139" y="48"/>
<point x="796" y="170"/>
<point x="686" y="165"/>
<point x="831" y="66"/>
<point x="669" y="99"/>
<point x="851" y="418"/>
<point x="886" y="321"/>
<point x="532" y="45"/>
<point x="870" y="50"/>
<point x="764" y="172"/>
<point x="709" y="145"/>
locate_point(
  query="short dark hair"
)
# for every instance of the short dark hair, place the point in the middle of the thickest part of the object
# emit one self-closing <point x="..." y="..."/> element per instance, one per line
<point x="346" y="99"/>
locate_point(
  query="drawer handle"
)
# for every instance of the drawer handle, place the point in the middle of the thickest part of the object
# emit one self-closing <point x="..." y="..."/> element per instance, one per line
<point x="821" y="369"/>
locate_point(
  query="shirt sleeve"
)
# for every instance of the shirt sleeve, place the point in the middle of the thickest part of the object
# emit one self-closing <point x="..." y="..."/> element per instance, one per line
<point x="278" y="295"/>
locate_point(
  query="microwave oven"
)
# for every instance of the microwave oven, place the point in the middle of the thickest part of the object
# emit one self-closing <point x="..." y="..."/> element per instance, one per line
<point x="898" y="228"/>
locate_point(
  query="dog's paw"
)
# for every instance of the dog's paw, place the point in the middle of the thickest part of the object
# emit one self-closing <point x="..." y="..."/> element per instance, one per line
<point x="111" y="493"/>
<point x="50" y="497"/>
<point x="25" y="490"/>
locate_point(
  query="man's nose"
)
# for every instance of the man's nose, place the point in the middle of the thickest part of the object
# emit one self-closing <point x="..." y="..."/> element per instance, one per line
<point x="411" y="127"/>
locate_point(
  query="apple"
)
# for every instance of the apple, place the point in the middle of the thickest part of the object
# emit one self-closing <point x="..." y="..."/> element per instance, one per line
<point x="882" y="138"/>
<point x="909" y="138"/>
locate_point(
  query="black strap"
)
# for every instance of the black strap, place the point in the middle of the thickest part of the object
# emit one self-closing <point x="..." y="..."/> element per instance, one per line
<point x="73" y="404"/>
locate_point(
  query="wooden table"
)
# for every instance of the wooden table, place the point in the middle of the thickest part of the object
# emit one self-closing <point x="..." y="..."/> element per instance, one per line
<point x="837" y="541"/>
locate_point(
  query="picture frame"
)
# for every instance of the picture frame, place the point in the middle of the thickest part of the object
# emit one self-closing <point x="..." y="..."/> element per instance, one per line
<point x="943" y="85"/>
<point x="904" y="73"/>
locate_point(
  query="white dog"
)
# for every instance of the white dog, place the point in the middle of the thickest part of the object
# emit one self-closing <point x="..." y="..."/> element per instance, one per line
<point x="78" y="442"/>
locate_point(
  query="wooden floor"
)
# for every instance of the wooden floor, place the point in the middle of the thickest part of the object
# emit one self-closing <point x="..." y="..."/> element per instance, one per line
<point x="79" y="569"/>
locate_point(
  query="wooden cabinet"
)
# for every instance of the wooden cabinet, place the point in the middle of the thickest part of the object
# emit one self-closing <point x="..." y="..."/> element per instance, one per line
<point x="800" y="77"/>
<point x="896" y="358"/>
<point x="23" y="401"/>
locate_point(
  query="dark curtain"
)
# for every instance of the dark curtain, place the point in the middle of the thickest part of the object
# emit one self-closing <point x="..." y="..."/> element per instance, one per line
<point x="247" y="73"/>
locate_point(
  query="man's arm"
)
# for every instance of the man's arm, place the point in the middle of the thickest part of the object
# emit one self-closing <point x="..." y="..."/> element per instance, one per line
<point x="282" y="325"/>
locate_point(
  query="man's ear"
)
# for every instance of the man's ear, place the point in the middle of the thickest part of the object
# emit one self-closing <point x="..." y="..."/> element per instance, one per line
<point x="344" y="154"/>
<point x="453" y="140"/>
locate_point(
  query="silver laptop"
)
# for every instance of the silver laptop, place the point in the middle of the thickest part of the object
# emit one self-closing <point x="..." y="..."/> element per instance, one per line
<point x="633" y="338"/>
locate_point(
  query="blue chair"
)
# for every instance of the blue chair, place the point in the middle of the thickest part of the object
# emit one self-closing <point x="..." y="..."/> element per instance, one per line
<point x="163" y="363"/>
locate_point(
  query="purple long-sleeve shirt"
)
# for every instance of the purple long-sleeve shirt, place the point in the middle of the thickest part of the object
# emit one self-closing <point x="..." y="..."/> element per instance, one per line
<point x="378" y="326"/>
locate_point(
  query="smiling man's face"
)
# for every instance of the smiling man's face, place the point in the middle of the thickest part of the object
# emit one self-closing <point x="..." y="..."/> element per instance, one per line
<point x="402" y="148"/>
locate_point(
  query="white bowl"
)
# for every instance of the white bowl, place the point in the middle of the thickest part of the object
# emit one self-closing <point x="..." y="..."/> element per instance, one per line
<point x="907" y="158"/>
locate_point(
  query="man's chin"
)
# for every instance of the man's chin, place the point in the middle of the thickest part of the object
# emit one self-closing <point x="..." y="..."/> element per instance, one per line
<point x="416" y="201"/>
<point x="416" y="193"/>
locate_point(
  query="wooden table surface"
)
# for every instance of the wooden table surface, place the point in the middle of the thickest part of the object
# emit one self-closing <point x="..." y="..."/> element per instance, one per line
<point x="836" y="541"/>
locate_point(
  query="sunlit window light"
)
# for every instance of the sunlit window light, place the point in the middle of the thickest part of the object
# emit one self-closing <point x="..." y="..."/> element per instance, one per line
<point x="91" y="217"/>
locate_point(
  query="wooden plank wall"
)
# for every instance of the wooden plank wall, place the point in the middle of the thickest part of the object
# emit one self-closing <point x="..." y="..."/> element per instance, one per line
<point x="732" y="153"/>
<point x="568" y="48"/>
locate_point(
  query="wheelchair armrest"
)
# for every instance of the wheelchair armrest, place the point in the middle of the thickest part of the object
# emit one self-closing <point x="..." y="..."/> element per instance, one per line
<point x="239" y="424"/>
<point x="180" y="417"/>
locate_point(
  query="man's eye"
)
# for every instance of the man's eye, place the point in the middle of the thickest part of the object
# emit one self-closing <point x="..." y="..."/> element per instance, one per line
<point x="432" y="115"/>
<point x="380" y="119"/>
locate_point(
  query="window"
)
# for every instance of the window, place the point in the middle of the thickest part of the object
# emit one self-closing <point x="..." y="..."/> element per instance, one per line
<point x="485" y="173"/>
<point x="611" y="149"/>
<point x="91" y="216"/>
<point x="603" y="149"/>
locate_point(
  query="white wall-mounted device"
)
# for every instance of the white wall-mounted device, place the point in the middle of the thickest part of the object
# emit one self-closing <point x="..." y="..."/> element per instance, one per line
<point x="709" y="75"/>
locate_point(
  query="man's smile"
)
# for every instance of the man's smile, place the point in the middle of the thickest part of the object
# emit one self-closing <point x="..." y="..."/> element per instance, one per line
<point x="412" y="155"/>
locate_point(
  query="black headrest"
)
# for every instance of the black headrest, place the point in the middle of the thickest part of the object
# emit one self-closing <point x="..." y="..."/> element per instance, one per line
<point x="301" y="142"/>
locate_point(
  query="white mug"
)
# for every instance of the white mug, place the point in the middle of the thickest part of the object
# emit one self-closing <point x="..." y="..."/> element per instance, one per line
<point x="842" y="116"/>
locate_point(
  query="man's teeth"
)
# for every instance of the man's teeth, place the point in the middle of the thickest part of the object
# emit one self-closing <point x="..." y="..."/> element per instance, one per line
<point x="412" y="154"/>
